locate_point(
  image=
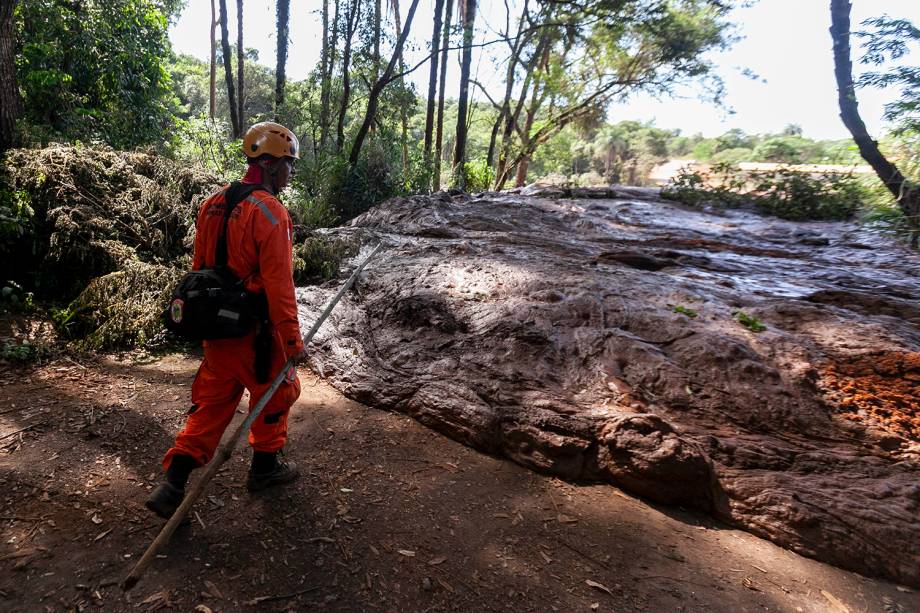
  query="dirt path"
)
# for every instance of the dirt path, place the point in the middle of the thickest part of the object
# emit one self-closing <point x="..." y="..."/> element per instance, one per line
<point x="387" y="516"/>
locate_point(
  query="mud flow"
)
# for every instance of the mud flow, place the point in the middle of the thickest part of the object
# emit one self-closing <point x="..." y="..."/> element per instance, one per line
<point x="762" y="370"/>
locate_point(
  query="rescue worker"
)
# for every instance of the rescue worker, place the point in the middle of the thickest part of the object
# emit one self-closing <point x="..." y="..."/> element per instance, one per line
<point x="258" y="247"/>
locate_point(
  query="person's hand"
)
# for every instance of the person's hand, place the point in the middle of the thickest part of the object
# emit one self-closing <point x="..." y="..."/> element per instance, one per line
<point x="301" y="356"/>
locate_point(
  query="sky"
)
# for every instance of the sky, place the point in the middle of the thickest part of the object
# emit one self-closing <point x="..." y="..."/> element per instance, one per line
<point x="785" y="43"/>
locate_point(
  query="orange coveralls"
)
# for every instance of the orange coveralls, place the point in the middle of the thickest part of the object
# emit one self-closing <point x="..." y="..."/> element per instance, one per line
<point x="259" y="250"/>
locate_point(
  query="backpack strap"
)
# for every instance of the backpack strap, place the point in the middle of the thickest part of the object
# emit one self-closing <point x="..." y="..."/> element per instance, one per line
<point x="233" y="195"/>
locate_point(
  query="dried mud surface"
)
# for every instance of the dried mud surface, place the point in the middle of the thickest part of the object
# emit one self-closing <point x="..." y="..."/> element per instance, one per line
<point x="599" y="339"/>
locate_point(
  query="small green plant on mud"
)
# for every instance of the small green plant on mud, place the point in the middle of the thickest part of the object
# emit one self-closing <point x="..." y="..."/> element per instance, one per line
<point x="685" y="311"/>
<point x="750" y="322"/>
<point x="11" y="351"/>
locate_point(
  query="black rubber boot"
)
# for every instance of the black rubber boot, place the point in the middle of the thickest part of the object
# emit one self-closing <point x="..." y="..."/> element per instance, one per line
<point x="268" y="470"/>
<point x="165" y="499"/>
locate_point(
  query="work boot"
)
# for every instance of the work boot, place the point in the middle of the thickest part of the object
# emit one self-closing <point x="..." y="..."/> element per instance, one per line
<point x="284" y="471"/>
<point x="165" y="499"/>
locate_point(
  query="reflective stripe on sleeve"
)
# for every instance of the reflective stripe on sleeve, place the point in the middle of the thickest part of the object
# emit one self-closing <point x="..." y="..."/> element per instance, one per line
<point x="264" y="208"/>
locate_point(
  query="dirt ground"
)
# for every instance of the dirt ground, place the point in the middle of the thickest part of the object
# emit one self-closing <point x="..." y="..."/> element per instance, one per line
<point x="387" y="516"/>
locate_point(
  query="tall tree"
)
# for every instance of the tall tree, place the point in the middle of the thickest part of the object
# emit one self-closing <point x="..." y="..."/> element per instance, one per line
<point x="433" y="79"/>
<point x="239" y="67"/>
<point x="283" y="17"/>
<point x="439" y="131"/>
<point x="467" y="18"/>
<point x="228" y="69"/>
<point x="212" y="98"/>
<point x="351" y="25"/>
<point x="403" y="116"/>
<point x="9" y="90"/>
<point x="905" y="192"/>
<point x="324" y="79"/>
<point x="373" y="98"/>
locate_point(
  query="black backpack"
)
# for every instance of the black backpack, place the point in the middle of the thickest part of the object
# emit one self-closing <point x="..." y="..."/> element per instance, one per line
<point x="213" y="303"/>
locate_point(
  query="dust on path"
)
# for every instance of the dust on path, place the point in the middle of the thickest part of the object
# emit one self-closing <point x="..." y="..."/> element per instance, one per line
<point x="388" y="516"/>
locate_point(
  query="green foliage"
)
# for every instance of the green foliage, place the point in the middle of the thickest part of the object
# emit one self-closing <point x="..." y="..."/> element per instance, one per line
<point x="889" y="40"/>
<point x="784" y="193"/>
<point x="750" y="322"/>
<point x="14" y="298"/>
<point x="18" y="352"/>
<point x="95" y="70"/>
<point x="319" y="258"/>
<point x="204" y="142"/>
<point x="685" y="311"/>
<point x="120" y="309"/>
<point x="478" y="176"/>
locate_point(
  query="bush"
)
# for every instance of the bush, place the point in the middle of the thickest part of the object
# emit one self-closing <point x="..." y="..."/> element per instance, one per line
<point x="477" y="176"/>
<point x="784" y="193"/>
<point x="319" y="258"/>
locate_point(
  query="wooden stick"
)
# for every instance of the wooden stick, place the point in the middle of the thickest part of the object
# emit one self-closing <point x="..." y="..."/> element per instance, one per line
<point x="226" y="450"/>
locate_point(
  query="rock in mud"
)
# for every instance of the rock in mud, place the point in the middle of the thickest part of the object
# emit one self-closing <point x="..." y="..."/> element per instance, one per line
<point x="599" y="339"/>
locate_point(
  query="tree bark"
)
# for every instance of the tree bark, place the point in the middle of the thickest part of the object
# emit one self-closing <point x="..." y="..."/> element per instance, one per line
<point x="283" y="10"/>
<point x="324" y="78"/>
<point x="228" y="69"/>
<point x="906" y="194"/>
<point x="433" y="79"/>
<point x="439" y="132"/>
<point x="9" y="90"/>
<point x="239" y="67"/>
<point x="354" y="12"/>
<point x="212" y="98"/>
<point x="373" y="98"/>
<point x="403" y="117"/>
<point x="516" y="49"/>
<point x="377" y="17"/>
<point x="468" y="18"/>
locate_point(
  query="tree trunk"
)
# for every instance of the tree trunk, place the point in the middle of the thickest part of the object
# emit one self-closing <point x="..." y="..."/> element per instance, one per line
<point x="907" y="194"/>
<point x="9" y="91"/>
<point x="239" y="67"/>
<point x="374" y="96"/>
<point x="354" y="12"/>
<point x="439" y="143"/>
<point x="377" y="17"/>
<point x="468" y="18"/>
<point x="516" y="49"/>
<point x="283" y="10"/>
<point x="228" y="69"/>
<point x="433" y="79"/>
<point x="213" y="83"/>
<point x="403" y="117"/>
<point x="324" y="78"/>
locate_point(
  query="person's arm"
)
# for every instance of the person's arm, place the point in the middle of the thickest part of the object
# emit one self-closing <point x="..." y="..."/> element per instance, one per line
<point x="276" y="267"/>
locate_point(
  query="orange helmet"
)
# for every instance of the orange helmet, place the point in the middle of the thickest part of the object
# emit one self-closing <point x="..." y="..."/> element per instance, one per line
<point x="271" y="138"/>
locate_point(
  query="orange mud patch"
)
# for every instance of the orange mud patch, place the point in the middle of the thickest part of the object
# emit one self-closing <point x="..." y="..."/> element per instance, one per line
<point x="881" y="390"/>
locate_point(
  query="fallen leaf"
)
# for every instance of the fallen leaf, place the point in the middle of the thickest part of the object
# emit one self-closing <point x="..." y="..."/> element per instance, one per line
<point x="838" y="606"/>
<point x="96" y="519"/>
<point x="213" y="590"/>
<point x="447" y="586"/>
<point x="595" y="606"/>
<point x="436" y="561"/>
<point x="156" y="597"/>
<point x="749" y="584"/>
<point x="598" y="586"/>
<point x="406" y="552"/>
<point x="566" y="519"/>
<point x="546" y="557"/>
<point x="203" y="609"/>
<point x="102" y="535"/>
<point x="903" y="589"/>
<point x="501" y="516"/>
